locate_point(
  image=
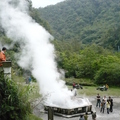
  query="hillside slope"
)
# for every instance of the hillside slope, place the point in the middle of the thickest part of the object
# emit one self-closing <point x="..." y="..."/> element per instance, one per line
<point x="83" y="20"/>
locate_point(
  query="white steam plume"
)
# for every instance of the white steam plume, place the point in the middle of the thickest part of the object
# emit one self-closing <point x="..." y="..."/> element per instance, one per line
<point x="36" y="50"/>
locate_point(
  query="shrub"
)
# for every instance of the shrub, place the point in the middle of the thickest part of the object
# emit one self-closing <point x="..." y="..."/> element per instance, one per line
<point x="109" y="74"/>
<point x="12" y="104"/>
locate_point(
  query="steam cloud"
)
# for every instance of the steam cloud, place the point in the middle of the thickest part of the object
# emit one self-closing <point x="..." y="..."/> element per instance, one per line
<point x="36" y="51"/>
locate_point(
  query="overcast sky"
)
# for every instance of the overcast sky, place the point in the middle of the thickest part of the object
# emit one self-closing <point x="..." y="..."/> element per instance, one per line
<point x="44" y="3"/>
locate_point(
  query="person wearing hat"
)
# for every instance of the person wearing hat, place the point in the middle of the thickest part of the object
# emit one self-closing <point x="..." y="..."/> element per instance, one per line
<point x="2" y="55"/>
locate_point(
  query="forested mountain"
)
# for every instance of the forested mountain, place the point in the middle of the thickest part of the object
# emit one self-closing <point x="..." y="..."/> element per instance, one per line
<point x="88" y="21"/>
<point x="75" y="23"/>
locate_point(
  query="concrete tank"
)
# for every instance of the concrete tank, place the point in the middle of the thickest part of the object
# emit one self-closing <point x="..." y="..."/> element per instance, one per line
<point x="70" y="112"/>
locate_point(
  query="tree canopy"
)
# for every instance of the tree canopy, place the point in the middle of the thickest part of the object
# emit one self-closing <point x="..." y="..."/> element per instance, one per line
<point x="75" y="23"/>
<point x="83" y="20"/>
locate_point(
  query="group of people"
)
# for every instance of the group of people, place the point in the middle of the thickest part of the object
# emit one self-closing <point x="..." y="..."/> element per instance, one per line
<point x="104" y="102"/>
<point x="85" y="116"/>
<point x="77" y="86"/>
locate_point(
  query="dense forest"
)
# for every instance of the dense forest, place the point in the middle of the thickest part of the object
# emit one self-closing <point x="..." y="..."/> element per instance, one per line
<point x="88" y="62"/>
<point x="100" y="59"/>
<point x="89" y="21"/>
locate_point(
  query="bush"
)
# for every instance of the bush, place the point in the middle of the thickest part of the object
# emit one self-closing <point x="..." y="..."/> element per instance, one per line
<point x="109" y="74"/>
<point x="82" y="81"/>
<point x="12" y="104"/>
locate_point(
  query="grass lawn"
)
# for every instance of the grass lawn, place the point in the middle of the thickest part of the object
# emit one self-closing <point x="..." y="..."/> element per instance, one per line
<point x="33" y="117"/>
<point x="91" y="91"/>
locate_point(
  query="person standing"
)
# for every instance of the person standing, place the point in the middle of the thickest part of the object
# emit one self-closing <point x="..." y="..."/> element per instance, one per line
<point x="86" y="116"/>
<point x="30" y="79"/>
<point x="98" y="100"/>
<point x="102" y="106"/>
<point x="108" y="106"/>
<point x="81" y="117"/>
<point x="111" y="104"/>
<point x="106" y="87"/>
<point x="93" y="115"/>
<point x="105" y="99"/>
<point x="2" y="55"/>
<point x="75" y="92"/>
<point x="73" y="85"/>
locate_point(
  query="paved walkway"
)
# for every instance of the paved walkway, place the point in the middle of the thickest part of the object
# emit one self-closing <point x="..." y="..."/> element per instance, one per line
<point x="115" y="115"/>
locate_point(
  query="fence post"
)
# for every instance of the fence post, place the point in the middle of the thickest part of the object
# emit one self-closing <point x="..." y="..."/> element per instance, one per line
<point x="50" y="113"/>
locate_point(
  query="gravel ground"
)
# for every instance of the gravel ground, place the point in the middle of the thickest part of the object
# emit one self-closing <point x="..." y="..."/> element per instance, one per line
<point x="115" y="115"/>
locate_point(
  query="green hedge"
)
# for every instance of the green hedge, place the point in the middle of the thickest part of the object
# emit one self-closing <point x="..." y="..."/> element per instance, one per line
<point x="84" y="82"/>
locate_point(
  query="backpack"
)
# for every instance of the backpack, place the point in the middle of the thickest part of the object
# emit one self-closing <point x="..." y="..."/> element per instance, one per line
<point x="94" y="115"/>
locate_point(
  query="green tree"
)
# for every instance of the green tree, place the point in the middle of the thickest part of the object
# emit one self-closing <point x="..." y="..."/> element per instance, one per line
<point x="109" y="73"/>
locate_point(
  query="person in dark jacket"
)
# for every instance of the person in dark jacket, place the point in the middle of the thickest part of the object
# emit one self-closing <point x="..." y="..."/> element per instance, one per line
<point x="98" y="100"/>
<point x="93" y="115"/>
<point x="81" y="117"/>
<point x="111" y="104"/>
<point x="102" y="106"/>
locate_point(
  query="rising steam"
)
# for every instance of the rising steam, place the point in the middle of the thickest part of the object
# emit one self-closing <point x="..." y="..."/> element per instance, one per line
<point x="36" y="50"/>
